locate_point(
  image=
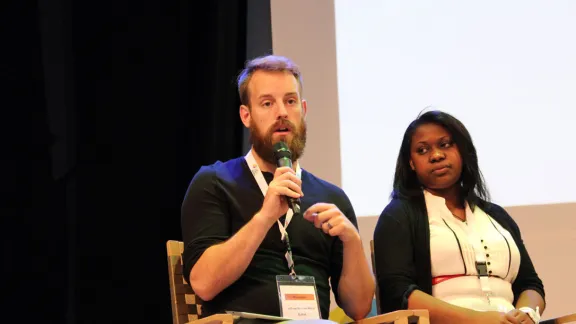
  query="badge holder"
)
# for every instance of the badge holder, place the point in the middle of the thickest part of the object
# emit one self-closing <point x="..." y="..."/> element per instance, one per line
<point x="298" y="297"/>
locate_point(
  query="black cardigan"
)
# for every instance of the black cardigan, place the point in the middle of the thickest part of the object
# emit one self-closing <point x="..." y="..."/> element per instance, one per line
<point x="402" y="252"/>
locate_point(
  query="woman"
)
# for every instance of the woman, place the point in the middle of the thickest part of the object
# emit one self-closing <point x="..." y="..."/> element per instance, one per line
<point x="440" y="245"/>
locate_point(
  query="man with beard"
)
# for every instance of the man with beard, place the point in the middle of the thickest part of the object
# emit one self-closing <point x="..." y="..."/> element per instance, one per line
<point x="238" y="230"/>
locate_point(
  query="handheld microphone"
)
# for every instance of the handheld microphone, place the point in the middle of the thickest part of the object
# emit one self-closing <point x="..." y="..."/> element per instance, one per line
<point x="283" y="158"/>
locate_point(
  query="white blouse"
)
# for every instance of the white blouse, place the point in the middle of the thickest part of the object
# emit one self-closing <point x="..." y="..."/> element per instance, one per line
<point x="452" y="253"/>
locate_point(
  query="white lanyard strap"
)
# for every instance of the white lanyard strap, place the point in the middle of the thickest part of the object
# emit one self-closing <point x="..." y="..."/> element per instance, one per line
<point x="259" y="177"/>
<point x="479" y="252"/>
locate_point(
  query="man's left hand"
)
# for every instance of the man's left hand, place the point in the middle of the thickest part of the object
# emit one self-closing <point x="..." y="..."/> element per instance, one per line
<point x="332" y="221"/>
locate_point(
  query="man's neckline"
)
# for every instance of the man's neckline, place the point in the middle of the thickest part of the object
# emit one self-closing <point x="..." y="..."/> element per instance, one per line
<point x="261" y="163"/>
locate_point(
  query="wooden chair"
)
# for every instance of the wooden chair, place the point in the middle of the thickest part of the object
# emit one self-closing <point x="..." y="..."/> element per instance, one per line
<point x="412" y="316"/>
<point x="378" y="310"/>
<point x="561" y="320"/>
<point x="186" y="306"/>
<point x="419" y="316"/>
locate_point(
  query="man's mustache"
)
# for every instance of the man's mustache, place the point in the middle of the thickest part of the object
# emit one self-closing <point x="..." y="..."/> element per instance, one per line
<point x="282" y="123"/>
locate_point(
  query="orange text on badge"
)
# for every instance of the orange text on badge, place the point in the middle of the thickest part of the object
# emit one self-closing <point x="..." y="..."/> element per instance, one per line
<point x="299" y="297"/>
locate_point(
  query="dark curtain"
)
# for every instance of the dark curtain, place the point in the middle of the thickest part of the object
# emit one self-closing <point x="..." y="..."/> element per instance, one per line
<point x="113" y="107"/>
<point x="32" y="225"/>
<point x="258" y="40"/>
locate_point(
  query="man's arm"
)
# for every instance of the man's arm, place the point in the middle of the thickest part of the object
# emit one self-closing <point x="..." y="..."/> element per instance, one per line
<point x="222" y="264"/>
<point x="356" y="285"/>
<point x="217" y="259"/>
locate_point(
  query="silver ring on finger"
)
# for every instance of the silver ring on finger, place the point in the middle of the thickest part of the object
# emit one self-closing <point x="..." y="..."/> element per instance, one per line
<point x="329" y="225"/>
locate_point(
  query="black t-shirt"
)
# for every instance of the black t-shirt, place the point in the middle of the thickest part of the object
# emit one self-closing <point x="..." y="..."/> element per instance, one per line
<point x="222" y="198"/>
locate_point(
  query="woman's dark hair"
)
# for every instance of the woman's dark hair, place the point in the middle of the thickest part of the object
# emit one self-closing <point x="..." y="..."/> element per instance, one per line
<point x="406" y="184"/>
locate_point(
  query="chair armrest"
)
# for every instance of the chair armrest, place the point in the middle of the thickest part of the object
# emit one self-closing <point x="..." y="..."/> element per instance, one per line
<point x="398" y="317"/>
<point x="215" y="319"/>
<point x="571" y="318"/>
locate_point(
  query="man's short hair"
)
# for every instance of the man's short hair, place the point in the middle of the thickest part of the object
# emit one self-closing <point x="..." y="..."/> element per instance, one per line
<point x="265" y="63"/>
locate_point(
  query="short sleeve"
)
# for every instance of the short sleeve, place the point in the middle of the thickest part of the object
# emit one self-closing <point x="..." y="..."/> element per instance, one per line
<point x="396" y="272"/>
<point x="204" y="219"/>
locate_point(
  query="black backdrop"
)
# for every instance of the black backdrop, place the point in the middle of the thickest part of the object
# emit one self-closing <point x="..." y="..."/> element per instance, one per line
<point x="108" y="109"/>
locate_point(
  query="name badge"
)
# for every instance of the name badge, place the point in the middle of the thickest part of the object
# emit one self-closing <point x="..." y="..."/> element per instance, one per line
<point x="298" y="297"/>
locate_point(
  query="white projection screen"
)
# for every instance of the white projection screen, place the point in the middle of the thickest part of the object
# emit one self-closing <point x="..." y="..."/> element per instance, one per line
<point x="506" y="69"/>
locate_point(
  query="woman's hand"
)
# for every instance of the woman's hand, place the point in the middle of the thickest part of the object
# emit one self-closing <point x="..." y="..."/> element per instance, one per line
<point x="519" y="316"/>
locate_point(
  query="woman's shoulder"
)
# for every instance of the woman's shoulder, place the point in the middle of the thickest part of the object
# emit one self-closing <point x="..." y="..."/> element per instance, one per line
<point x="499" y="214"/>
<point x="402" y="209"/>
<point x="493" y="209"/>
<point x="400" y="221"/>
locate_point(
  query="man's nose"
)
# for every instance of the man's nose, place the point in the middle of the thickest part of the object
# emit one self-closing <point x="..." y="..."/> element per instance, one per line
<point x="282" y="111"/>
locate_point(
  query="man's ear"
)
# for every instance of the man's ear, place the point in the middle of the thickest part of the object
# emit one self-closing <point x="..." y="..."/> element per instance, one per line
<point x="245" y="115"/>
<point x="412" y="166"/>
<point x="304" y="107"/>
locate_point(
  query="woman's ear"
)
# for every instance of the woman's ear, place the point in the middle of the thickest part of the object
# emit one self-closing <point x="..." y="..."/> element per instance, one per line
<point x="412" y="166"/>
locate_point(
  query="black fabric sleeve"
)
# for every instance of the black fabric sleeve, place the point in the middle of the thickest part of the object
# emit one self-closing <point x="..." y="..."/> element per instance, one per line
<point x="204" y="219"/>
<point x="527" y="278"/>
<point x="394" y="260"/>
<point x="337" y="257"/>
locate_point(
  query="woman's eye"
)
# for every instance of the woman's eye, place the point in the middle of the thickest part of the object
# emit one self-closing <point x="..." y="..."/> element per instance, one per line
<point x="422" y="150"/>
<point x="446" y="144"/>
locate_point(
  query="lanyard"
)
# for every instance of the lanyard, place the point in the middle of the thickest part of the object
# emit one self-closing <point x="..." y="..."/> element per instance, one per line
<point x="259" y="177"/>
<point x="479" y="252"/>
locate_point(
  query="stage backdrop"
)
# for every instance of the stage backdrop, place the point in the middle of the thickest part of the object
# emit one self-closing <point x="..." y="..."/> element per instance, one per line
<point x="506" y="70"/>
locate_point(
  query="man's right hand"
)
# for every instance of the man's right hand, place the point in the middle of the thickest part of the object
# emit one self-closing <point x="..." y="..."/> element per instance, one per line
<point x="285" y="183"/>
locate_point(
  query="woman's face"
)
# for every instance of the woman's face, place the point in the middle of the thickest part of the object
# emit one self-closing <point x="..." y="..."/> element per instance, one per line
<point x="435" y="157"/>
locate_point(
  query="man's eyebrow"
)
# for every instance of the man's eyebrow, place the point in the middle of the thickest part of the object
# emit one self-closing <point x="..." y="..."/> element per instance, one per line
<point x="266" y="95"/>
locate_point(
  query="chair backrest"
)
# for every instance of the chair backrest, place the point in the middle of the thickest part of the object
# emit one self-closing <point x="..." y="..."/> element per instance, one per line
<point x="413" y="316"/>
<point x="186" y="307"/>
<point x="374" y="271"/>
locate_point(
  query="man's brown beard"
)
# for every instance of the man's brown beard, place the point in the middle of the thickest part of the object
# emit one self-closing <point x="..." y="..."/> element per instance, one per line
<point x="264" y="147"/>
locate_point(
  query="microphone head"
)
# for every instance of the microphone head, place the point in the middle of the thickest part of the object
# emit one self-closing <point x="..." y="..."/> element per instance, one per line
<point x="281" y="150"/>
<point x="282" y="155"/>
